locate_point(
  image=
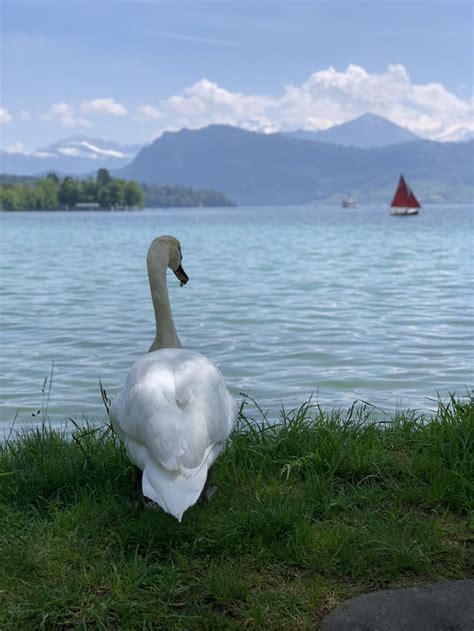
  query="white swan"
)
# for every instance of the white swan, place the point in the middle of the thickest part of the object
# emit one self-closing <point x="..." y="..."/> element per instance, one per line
<point x="174" y="413"/>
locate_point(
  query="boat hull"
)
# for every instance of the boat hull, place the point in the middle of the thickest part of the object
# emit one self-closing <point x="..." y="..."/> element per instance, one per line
<point x="404" y="212"/>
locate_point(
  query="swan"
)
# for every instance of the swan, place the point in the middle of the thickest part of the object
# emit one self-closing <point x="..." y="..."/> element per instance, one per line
<point x="174" y="412"/>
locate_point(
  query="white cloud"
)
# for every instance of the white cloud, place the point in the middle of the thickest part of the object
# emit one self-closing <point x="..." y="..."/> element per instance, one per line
<point x="19" y="148"/>
<point x="205" y="103"/>
<point x="328" y="97"/>
<point x="104" y="106"/>
<point x="148" y="112"/>
<point x="5" y="116"/>
<point x="458" y="132"/>
<point x="64" y="114"/>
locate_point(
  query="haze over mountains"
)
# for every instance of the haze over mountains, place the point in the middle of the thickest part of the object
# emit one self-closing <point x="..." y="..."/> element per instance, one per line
<point x="364" y="156"/>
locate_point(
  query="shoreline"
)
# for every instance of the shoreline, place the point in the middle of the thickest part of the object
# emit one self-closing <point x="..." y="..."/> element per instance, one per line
<point x="379" y="207"/>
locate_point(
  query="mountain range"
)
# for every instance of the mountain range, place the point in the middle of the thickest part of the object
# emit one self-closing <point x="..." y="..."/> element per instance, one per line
<point x="255" y="168"/>
<point x="80" y="154"/>
<point x="364" y="156"/>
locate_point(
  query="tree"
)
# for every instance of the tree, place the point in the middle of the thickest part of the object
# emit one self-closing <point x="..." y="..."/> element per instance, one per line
<point x="133" y="195"/>
<point x="116" y="193"/>
<point x="89" y="190"/>
<point x="29" y="198"/>
<point x="47" y="190"/>
<point x="50" y="193"/>
<point x="103" y="177"/>
<point x="54" y="178"/>
<point x="104" y="197"/>
<point x="68" y="193"/>
<point x="177" y="195"/>
<point x="9" y="198"/>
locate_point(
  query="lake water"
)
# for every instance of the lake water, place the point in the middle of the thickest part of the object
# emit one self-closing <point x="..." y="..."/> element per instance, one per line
<point x="341" y="304"/>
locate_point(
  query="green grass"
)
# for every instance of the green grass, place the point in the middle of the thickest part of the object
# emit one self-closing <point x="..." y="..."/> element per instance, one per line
<point x="323" y="506"/>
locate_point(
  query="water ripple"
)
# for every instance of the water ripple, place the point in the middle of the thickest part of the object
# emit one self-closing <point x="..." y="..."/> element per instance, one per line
<point x="291" y="302"/>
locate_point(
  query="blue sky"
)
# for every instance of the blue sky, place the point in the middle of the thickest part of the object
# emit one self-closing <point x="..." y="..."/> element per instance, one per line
<point x="129" y="70"/>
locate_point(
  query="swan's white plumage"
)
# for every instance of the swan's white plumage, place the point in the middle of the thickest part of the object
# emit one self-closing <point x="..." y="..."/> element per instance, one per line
<point x="174" y="415"/>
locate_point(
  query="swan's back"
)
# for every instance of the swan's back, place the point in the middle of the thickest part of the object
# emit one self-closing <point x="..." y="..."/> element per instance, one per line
<point x="174" y="415"/>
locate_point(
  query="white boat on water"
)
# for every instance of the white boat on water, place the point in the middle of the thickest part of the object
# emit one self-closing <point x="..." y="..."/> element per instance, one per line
<point x="349" y="201"/>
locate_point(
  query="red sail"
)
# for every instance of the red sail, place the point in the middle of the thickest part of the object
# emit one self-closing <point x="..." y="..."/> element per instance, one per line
<point x="404" y="196"/>
<point x="413" y="202"/>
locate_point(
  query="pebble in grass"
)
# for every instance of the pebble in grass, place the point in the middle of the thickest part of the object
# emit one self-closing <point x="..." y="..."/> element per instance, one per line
<point x="447" y="606"/>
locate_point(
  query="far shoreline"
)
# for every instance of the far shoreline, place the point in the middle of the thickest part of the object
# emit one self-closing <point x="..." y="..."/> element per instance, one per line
<point x="383" y="206"/>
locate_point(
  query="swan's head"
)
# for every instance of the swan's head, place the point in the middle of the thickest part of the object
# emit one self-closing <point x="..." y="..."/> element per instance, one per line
<point x="168" y="250"/>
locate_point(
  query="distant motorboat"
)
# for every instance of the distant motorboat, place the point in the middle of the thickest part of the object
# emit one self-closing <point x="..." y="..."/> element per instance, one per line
<point x="349" y="202"/>
<point x="404" y="203"/>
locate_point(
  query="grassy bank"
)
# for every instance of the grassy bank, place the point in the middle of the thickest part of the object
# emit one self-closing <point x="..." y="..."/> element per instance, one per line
<point x="321" y="507"/>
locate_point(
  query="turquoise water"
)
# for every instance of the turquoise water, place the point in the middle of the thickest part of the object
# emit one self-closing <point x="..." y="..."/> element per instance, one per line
<point x="341" y="304"/>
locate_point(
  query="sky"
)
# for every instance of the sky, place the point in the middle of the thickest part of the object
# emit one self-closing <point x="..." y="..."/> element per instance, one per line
<point x="129" y="70"/>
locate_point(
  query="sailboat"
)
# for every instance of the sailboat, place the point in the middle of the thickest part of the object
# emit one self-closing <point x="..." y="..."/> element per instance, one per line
<point x="404" y="202"/>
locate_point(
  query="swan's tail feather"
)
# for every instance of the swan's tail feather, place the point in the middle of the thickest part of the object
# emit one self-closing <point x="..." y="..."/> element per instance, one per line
<point x="173" y="491"/>
<point x="176" y="491"/>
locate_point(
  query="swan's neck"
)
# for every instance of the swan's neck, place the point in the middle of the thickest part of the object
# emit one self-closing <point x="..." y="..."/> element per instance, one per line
<point x="165" y="332"/>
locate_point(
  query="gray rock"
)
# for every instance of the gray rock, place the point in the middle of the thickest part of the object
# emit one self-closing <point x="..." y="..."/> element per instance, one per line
<point x="445" y="606"/>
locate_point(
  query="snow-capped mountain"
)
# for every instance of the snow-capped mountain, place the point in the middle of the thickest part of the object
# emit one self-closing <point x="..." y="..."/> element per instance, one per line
<point x="74" y="155"/>
<point x="458" y="134"/>
<point x="93" y="148"/>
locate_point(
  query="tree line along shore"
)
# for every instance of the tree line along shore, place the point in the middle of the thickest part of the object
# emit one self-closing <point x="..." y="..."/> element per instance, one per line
<point x="103" y="192"/>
